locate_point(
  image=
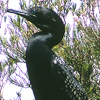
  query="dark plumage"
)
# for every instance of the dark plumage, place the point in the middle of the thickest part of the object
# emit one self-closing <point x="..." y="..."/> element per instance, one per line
<point x="49" y="76"/>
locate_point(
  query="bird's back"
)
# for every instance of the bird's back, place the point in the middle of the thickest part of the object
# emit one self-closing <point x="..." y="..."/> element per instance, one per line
<point x="50" y="77"/>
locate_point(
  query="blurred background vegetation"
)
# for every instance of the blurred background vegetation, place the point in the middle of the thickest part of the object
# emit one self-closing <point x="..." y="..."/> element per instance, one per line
<point x="80" y="47"/>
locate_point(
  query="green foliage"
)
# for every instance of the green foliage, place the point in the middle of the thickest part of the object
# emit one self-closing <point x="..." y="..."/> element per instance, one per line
<point x="83" y="51"/>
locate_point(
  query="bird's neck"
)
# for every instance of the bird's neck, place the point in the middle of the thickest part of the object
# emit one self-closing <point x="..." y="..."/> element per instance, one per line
<point x="49" y="38"/>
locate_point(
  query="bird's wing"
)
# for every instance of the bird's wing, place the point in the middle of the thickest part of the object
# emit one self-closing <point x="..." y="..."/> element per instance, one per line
<point x="67" y="80"/>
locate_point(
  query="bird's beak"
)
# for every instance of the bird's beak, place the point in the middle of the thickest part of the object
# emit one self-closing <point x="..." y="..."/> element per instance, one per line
<point x="22" y="13"/>
<point x="18" y="12"/>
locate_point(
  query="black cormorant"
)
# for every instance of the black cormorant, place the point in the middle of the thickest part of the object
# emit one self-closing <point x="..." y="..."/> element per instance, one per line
<point x="49" y="76"/>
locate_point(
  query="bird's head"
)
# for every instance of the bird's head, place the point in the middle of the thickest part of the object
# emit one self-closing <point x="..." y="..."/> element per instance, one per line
<point x="43" y="18"/>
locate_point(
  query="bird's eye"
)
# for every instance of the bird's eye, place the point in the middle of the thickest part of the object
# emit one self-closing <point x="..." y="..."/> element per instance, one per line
<point x="34" y="11"/>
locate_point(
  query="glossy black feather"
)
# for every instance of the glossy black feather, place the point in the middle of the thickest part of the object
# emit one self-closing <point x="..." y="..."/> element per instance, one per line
<point x="49" y="76"/>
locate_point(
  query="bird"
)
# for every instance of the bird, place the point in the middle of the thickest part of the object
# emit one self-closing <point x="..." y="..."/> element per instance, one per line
<point x="49" y="75"/>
